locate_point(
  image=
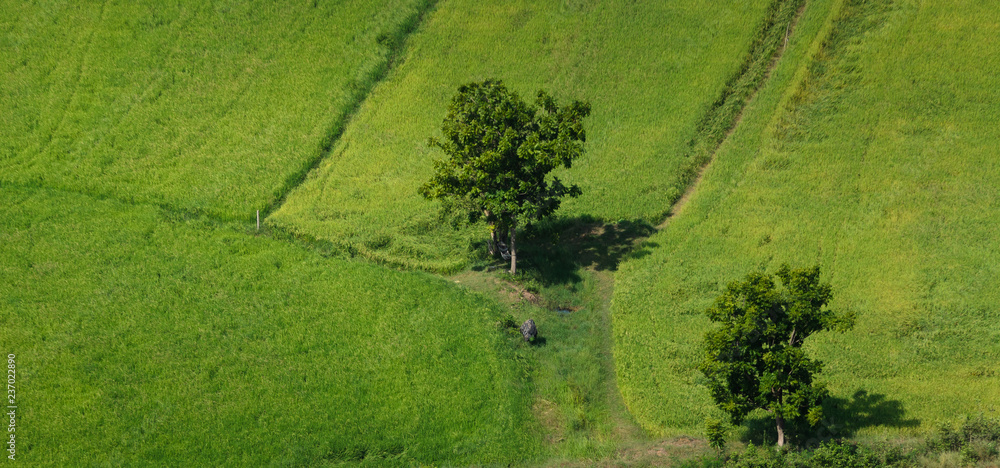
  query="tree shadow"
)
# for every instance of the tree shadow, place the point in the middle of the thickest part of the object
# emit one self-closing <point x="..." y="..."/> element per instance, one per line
<point x="842" y="418"/>
<point x="555" y="250"/>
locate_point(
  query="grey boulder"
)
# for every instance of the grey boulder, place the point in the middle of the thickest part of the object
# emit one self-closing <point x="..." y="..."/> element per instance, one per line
<point x="528" y="330"/>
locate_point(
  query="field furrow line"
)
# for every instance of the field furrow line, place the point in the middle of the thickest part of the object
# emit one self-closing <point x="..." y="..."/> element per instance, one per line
<point x="396" y="45"/>
<point x="727" y="111"/>
<point x="81" y="68"/>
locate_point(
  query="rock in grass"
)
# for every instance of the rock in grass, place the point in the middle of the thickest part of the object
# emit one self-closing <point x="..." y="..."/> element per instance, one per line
<point x="528" y="330"/>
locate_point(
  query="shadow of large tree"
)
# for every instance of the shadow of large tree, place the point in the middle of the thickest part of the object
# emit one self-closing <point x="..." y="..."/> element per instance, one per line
<point x="553" y="251"/>
<point x="843" y="417"/>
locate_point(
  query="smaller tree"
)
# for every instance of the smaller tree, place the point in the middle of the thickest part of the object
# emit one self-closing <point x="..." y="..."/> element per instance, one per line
<point x="500" y="153"/>
<point x="755" y="359"/>
<point x="715" y="432"/>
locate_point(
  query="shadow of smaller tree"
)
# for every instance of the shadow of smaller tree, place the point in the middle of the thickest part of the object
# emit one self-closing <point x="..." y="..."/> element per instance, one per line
<point x="843" y="418"/>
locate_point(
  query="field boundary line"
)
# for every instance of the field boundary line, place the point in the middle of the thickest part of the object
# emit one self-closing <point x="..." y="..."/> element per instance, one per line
<point x="397" y="46"/>
<point x="173" y="215"/>
<point x="726" y="112"/>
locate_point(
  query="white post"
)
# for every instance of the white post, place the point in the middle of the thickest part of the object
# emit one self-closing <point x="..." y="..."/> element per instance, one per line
<point x="258" y="220"/>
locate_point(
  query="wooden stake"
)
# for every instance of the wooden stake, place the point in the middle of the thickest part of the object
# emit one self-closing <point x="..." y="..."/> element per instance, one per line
<point x="258" y="220"/>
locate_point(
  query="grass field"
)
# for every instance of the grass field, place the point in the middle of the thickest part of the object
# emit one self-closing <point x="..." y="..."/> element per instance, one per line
<point x="871" y="153"/>
<point x="144" y="337"/>
<point x="216" y="108"/>
<point x="154" y="326"/>
<point x="576" y="401"/>
<point x="651" y="71"/>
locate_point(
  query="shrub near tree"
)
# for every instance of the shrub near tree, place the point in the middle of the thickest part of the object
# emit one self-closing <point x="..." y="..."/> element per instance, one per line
<point x="500" y="153"/>
<point x="755" y="359"/>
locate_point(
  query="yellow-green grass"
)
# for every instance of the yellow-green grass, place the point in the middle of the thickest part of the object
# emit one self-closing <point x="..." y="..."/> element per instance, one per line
<point x="873" y="153"/>
<point x="143" y="337"/>
<point x="209" y="107"/>
<point x="650" y="69"/>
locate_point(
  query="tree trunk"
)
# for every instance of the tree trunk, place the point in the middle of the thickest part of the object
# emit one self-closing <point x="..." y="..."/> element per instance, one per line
<point x="493" y="247"/>
<point x="781" y="430"/>
<point x="513" y="249"/>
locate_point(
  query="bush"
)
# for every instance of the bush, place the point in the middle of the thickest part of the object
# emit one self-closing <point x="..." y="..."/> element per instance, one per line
<point x="755" y="457"/>
<point x="706" y="461"/>
<point x="839" y="454"/>
<point x="973" y="429"/>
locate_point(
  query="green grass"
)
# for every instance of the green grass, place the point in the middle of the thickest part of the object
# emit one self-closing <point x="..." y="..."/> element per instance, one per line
<point x="576" y="400"/>
<point x="217" y="108"/>
<point x="651" y="70"/>
<point x="872" y="153"/>
<point x="153" y="328"/>
<point x="144" y="337"/>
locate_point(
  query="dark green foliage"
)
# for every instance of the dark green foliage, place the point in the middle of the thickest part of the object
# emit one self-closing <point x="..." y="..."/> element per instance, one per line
<point x="755" y="360"/>
<point x="501" y="150"/>
<point x="500" y="153"/>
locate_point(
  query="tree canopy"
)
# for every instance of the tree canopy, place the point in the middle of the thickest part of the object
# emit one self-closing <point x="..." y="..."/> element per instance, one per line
<point x="500" y="153"/>
<point x="755" y="359"/>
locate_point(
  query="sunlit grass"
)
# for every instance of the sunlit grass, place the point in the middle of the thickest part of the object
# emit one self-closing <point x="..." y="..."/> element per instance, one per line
<point x="650" y="70"/>
<point x="877" y="161"/>
<point x="145" y="338"/>
<point x="209" y="107"/>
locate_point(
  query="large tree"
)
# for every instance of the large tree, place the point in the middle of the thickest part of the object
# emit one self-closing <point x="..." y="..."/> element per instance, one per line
<point x="500" y="153"/>
<point x="755" y="359"/>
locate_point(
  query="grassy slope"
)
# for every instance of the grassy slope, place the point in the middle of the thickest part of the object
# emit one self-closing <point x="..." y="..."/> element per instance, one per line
<point x="651" y="70"/>
<point x="879" y="164"/>
<point x="213" y="108"/>
<point x="147" y="338"/>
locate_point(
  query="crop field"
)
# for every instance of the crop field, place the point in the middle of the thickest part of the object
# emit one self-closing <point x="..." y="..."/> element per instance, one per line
<point x="216" y="108"/>
<point x="155" y="324"/>
<point x="871" y="152"/>
<point x="145" y="337"/>
<point x="650" y="70"/>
